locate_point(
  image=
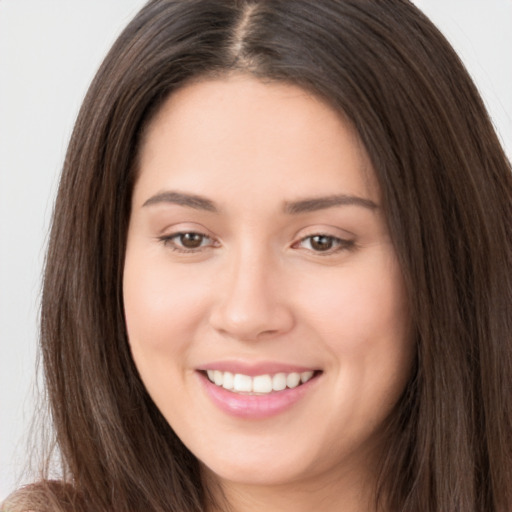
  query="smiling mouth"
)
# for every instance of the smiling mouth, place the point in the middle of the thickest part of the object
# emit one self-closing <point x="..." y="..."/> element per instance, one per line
<point x="259" y="384"/>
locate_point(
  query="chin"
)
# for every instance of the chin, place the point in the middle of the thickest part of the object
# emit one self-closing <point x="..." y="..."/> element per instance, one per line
<point x="261" y="473"/>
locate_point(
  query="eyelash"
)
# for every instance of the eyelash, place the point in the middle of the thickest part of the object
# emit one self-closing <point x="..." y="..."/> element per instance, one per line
<point x="340" y="244"/>
<point x="169" y="241"/>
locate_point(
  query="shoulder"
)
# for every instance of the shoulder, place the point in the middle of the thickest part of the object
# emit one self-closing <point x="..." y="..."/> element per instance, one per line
<point x="44" y="496"/>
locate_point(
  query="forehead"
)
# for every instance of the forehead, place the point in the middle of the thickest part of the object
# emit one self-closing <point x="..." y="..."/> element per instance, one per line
<point x="244" y="132"/>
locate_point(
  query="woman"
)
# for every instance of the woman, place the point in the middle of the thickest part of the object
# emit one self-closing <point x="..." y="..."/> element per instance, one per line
<point x="279" y="270"/>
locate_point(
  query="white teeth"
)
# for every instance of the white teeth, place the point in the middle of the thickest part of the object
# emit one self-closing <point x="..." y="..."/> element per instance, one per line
<point x="218" y="377"/>
<point x="228" y="381"/>
<point x="305" y="376"/>
<point x="292" y="380"/>
<point x="242" y="383"/>
<point x="260" y="384"/>
<point x="279" y="381"/>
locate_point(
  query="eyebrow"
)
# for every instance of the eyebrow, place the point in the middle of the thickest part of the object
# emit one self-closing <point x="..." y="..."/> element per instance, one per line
<point x="320" y="203"/>
<point x="182" y="199"/>
<point x="290" y="207"/>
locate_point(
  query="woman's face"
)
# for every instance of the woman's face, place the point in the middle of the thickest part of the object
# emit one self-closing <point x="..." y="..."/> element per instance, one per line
<point x="258" y="257"/>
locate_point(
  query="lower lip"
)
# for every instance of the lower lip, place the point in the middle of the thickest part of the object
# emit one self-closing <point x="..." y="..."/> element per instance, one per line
<point x="255" y="406"/>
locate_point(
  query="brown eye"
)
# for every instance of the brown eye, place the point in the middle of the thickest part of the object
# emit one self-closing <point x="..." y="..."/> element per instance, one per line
<point x="191" y="240"/>
<point x="322" y="242"/>
<point x="188" y="242"/>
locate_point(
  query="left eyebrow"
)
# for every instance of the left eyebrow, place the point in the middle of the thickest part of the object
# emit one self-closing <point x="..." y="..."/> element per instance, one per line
<point x="182" y="199"/>
<point x="320" y="203"/>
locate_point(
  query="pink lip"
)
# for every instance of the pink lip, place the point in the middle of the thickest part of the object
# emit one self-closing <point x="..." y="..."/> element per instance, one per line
<point x="254" y="406"/>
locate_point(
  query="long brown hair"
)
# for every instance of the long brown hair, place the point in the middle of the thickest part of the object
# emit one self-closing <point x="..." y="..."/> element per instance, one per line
<point x="447" y="192"/>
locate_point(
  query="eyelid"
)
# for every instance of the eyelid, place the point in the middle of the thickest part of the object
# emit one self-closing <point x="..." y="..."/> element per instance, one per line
<point x="168" y="240"/>
<point x="341" y="244"/>
<point x="169" y="229"/>
<point x="344" y="240"/>
<point x="325" y="230"/>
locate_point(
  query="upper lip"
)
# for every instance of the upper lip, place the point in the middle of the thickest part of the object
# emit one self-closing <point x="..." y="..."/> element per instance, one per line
<point x="255" y="368"/>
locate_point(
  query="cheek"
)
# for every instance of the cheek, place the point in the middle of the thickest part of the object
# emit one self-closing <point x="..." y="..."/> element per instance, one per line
<point x="164" y="308"/>
<point x="361" y="306"/>
<point x="363" y="321"/>
<point x="163" y="311"/>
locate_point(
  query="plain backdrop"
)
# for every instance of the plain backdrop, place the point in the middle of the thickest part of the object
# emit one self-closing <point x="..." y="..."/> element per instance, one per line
<point x="49" y="52"/>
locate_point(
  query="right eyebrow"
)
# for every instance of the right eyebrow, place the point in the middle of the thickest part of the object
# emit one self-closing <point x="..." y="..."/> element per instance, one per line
<point x="320" y="203"/>
<point x="182" y="199"/>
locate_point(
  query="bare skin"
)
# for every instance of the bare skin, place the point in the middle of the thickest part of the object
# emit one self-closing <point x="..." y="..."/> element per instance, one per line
<point x="257" y="242"/>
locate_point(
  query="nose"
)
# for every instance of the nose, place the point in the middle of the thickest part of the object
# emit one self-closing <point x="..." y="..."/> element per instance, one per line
<point x="251" y="301"/>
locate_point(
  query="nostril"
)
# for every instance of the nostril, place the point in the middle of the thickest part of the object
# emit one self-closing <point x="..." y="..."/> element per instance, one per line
<point x="267" y="333"/>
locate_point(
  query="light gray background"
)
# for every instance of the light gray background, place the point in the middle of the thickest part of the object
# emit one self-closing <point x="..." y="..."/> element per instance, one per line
<point x="49" y="51"/>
